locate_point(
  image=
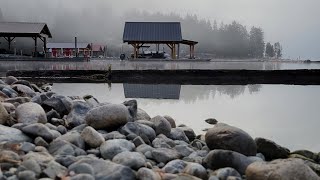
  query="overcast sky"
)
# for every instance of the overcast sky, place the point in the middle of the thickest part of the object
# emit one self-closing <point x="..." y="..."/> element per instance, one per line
<point x="295" y="23"/>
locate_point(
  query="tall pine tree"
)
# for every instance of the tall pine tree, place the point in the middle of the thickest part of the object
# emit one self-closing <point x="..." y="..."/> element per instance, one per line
<point x="256" y="44"/>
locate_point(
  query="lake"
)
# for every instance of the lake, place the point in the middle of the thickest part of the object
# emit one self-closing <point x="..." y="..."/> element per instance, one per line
<point x="287" y="114"/>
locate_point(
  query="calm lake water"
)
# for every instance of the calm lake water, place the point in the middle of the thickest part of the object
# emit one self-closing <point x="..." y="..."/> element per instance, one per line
<point x="289" y="115"/>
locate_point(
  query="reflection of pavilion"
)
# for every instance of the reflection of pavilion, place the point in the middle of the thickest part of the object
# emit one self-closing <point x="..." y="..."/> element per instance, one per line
<point x="152" y="91"/>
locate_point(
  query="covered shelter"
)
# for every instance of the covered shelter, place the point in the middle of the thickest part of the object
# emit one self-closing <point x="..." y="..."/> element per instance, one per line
<point x="138" y="34"/>
<point x="11" y="30"/>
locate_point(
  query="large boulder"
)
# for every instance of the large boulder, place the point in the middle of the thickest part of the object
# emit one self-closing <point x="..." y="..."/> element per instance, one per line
<point x="281" y="169"/>
<point x="30" y="113"/>
<point x="226" y="137"/>
<point x="217" y="159"/>
<point x="78" y="113"/>
<point x="110" y="116"/>
<point x="162" y="126"/>
<point x="4" y="116"/>
<point x="109" y="149"/>
<point x="12" y="135"/>
<point x="271" y="150"/>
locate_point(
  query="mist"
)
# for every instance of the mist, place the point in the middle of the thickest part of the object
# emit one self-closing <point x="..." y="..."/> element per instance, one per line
<point x="294" y="24"/>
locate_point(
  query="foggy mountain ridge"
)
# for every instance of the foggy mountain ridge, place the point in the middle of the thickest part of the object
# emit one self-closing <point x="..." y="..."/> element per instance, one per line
<point x="99" y="20"/>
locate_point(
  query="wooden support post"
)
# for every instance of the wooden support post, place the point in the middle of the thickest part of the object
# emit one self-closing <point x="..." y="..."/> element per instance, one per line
<point x="190" y="47"/>
<point x="45" y="46"/>
<point x="35" y="46"/>
<point x="192" y="51"/>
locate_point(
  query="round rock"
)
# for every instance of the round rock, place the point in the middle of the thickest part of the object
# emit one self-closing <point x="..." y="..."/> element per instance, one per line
<point x="227" y="137"/>
<point x="162" y="126"/>
<point x="134" y="160"/>
<point x="31" y="113"/>
<point x="111" y="148"/>
<point x="92" y="137"/>
<point x="109" y="116"/>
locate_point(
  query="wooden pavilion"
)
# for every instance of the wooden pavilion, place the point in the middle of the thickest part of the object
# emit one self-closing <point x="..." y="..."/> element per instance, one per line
<point x="138" y="34"/>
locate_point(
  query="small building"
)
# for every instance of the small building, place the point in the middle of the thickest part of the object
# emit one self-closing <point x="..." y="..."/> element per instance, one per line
<point x="138" y="34"/>
<point x="98" y="50"/>
<point x="68" y="50"/>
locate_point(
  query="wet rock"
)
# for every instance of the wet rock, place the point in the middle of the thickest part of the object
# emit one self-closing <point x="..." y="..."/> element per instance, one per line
<point x="145" y="132"/>
<point x="78" y="112"/>
<point x="61" y="104"/>
<point x="217" y="159"/>
<point x="271" y="150"/>
<point x="108" y="117"/>
<point x="162" y="126"/>
<point x="12" y="135"/>
<point x="82" y="177"/>
<point x="55" y="170"/>
<point x="74" y="138"/>
<point x="82" y="168"/>
<point x="188" y="132"/>
<point x="24" y="90"/>
<point x="178" y="134"/>
<point x="114" y="135"/>
<point x="211" y="121"/>
<point x="33" y="166"/>
<point x="223" y="136"/>
<point x="142" y="115"/>
<point x="171" y="121"/>
<point x="27" y="175"/>
<point x="196" y="170"/>
<point x="164" y="155"/>
<point x="111" y="148"/>
<point x="134" y="160"/>
<point x="4" y="116"/>
<point x="224" y="173"/>
<point x="284" y="169"/>
<point x="39" y="141"/>
<point x="31" y="113"/>
<point x="92" y="137"/>
<point x="148" y="174"/>
<point x="38" y="130"/>
<point x="132" y="106"/>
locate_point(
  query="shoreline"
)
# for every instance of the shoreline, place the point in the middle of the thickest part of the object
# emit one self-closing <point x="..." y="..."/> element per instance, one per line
<point x="46" y="135"/>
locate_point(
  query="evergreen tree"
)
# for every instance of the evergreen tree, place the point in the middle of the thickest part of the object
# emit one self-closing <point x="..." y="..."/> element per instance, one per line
<point x="256" y="42"/>
<point x="278" y="50"/>
<point x="269" y="50"/>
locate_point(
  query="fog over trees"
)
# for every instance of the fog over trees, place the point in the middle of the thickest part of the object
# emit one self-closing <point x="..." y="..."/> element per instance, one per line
<point x="95" y="22"/>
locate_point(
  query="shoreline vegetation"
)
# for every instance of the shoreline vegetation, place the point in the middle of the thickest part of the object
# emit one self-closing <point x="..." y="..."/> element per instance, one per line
<point x="44" y="135"/>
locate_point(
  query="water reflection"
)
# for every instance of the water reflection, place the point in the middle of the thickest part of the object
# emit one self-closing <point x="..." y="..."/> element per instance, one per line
<point x="287" y="114"/>
<point x="152" y="91"/>
<point x="141" y="65"/>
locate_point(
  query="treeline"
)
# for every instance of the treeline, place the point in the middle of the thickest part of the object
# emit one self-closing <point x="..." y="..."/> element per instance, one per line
<point x="221" y="40"/>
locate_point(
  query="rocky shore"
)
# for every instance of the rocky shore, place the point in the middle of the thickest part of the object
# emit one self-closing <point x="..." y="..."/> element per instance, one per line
<point x="44" y="135"/>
